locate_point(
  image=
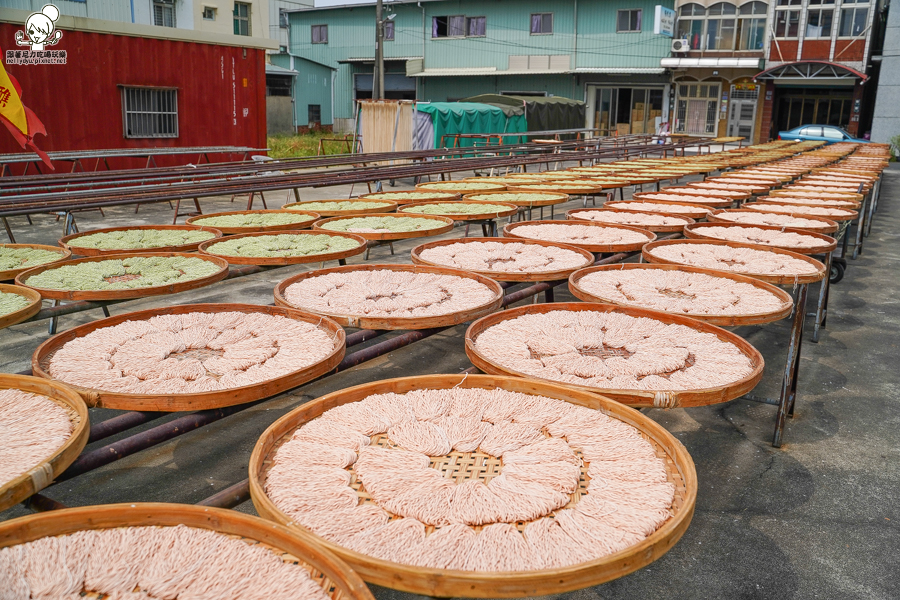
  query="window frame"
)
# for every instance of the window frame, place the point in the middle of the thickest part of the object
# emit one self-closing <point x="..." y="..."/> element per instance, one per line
<point x="237" y="19"/>
<point x="283" y="19"/>
<point x="750" y="22"/>
<point x="164" y="5"/>
<point x="469" y="20"/>
<point x="640" y="20"/>
<point x="819" y="10"/>
<point x="389" y="25"/>
<point x="854" y="7"/>
<point x="542" y="18"/>
<point x="309" y="113"/>
<point x="318" y="27"/>
<point x="130" y="92"/>
<point x="466" y="21"/>
<point x="212" y="10"/>
<point x="786" y="11"/>
<point x="721" y="19"/>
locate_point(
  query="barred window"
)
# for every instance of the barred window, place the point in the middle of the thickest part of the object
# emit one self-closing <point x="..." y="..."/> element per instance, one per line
<point x="149" y="112"/>
<point x="164" y="13"/>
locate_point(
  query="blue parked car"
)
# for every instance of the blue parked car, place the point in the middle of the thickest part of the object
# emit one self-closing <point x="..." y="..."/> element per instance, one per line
<point x="819" y="133"/>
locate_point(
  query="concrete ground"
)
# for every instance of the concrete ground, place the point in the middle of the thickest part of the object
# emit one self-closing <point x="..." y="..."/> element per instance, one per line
<point x="817" y="518"/>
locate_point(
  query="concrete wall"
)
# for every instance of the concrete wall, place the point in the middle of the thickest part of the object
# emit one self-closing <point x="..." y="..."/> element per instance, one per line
<point x="886" y="122"/>
<point x="279" y="117"/>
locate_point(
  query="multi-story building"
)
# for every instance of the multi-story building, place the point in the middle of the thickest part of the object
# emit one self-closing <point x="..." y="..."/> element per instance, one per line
<point x="602" y="52"/>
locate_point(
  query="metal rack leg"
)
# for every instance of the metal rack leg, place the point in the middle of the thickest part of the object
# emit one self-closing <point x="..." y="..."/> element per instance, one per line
<point x="792" y="367"/>
<point x="872" y="199"/>
<point x="822" y="304"/>
<point x="860" y="228"/>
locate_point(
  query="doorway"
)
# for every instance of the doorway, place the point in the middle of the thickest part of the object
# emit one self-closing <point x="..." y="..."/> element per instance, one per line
<point x="624" y="111"/>
<point x="742" y="115"/>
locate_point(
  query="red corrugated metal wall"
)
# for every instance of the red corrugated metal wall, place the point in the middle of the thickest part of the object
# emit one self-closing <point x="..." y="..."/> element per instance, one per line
<point x="80" y="102"/>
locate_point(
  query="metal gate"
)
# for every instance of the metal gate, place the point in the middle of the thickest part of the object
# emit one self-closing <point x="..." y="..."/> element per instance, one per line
<point x="742" y="116"/>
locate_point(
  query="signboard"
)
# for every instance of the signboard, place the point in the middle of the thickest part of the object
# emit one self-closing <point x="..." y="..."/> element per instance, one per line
<point x="664" y="21"/>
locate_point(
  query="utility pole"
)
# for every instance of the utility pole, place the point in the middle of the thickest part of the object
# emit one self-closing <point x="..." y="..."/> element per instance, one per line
<point x="378" y="75"/>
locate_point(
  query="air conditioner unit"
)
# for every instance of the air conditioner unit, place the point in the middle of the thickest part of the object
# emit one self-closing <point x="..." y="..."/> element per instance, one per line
<point x="680" y="45"/>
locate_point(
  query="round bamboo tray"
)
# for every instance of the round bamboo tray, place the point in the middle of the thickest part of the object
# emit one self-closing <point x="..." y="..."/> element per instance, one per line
<point x="393" y="235"/>
<point x="550" y="199"/>
<point x="721" y="194"/>
<point x="196" y="401"/>
<point x="828" y="187"/>
<point x="287" y="260"/>
<point x="606" y="184"/>
<point x="337" y="580"/>
<point x="803" y="201"/>
<point x="825" y="225"/>
<point x="387" y="206"/>
<point x="508" y="275"/>
<point x="51" y="467"/>
<point x="509" y="209"/>
<point x="510" y="231"/>
<point x="12" y="273"/>
<point x="392" y="323"/>
<point x="763" y="178"/>
<point x="553" y="188"/>
<point x="776" y="207"/>
<point x="787" y="302"/>
<point x="231" y="230"/>
<point x="664" y="196"/>
<point x="439" y="196"/>
<point x="774" y="278"/>
<point x="158" y="290"/>
<point x="474" y="584"/>
<point x="23" y="314"/>
<point x="67" y="241"/>
<point x="636" y="398"/>
<point x="470" y="187"/>
<point x="697" y="231"/>
<point x="753" y="186"/>
<point x="573" y="215"/>
<point x="817" y="194"/>
<point x="679" y="209"/>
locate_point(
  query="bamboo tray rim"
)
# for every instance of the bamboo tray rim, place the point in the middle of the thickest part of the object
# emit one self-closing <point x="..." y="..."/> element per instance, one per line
<point x="228" y="522"/>
<point x="828" y="226"/>
<point x="50" y="467"/>
<point x="635" y="398"/>
<point x="711" y="202"/>
<point x="554" y="198"/>
<point x="693" y="215"/>
<point x="66" y="241"/>
<point x="447" y="583"/>
<point x="286" y="260"/>
<point x="393" y="323"/>
<point x="11" y="274"/>
<point x="509" y="231"/>
<point x="511" y="209"/>
<point x="487" y="187"/>
<point x="573" y="190"/>
<point x="732" y="320"/>
<point x="837" y="218"/>
<point x="694" y="232"/>
<point x="802" y="201"/>
<point x="572" y="215"/>
<point x="393" y="235"/>
<point x="689" y="191"/>
<point x="256" y="228"/>
<point x="387" y="206"/>
<point x="24" y="313"/>
<point x="507" y="275"/>
<point x="170" y="402"/>
<point x="156" y="290"/>
<point x="369" y="196"/>
<point x="767" y="277"/>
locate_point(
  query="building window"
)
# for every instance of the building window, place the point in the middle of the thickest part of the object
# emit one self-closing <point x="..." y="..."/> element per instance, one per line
<point x="164" y="13"/>
<point x="690" y="24"/>
<point x="283" y="22"/>
<point x="819" y="20"/>
<point x="314" y="112"/>
<point x="628" y="20"/>
<point x="541" y="23"/>
<point x="149" y="112"/>
<point x="752" y="26"/>
<point x="320" y="34"/>
<point x="696" y="108"/>
<point x="451" y="26"/>
<point x="787" y="20"/>
<point x="241" y="18"/>
<point x="720" y="26"/>
<point x="209" y="13"/>
<point x="853" y="18"/>
<point x="476" y="26"/>
<point x="389" y="31"/>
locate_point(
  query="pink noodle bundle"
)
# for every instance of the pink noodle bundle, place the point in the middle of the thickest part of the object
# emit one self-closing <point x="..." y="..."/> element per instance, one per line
<point x="580" y="234"/>
<point x="656" y="207"/>
<point x="612" y="351"/>
<point x="737" y="260"/>
<point x="630" y="218"/>
<point x="151" y="563"/>
<point x="501" y="257"/>
<point x="627" y="499"/>
<point x="816" y="211"/>
<point x="680" y="291"/>
<point x="388" y="293"/>
<point x="764" y="237"/>
<point x="774" y="219"/>
<point x="190" y="353"/>
<point x="32" y="427"/>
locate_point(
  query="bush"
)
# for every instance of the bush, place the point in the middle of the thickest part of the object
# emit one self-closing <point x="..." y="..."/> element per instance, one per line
<point x="307" y="144"/>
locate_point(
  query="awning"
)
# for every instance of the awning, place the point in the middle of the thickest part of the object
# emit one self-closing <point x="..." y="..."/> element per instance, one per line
<point x="812" y="72"/>
<point x="276" y="70"/>
<point x="622" y="70"/>
<point x="724" y="63"/>
<point x="371" y="59"/>
<point x="474" y="71"/>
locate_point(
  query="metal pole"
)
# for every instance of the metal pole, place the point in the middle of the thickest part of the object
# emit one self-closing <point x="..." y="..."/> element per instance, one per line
<point x="378" y="76"/>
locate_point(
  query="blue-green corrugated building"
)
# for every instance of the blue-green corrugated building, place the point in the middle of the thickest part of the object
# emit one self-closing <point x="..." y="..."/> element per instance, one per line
<point x="602" y="52"/>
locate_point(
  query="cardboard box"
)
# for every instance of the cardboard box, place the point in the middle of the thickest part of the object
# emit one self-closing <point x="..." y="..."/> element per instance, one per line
<point x="623" y="128"/>
<point x="637" y="127"/>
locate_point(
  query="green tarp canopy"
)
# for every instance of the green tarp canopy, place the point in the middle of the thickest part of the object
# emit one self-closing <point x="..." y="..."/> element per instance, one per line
<point x="469" y="117"/>
<point x="542" y="113"/>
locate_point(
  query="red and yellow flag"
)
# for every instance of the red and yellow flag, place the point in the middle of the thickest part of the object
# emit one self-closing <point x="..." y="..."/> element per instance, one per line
<point x="20" y="120"/>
